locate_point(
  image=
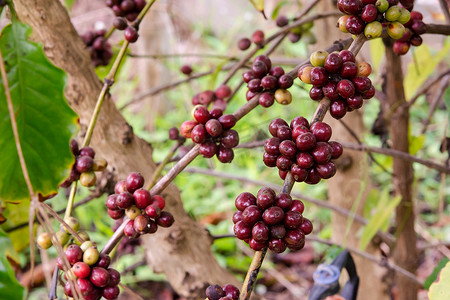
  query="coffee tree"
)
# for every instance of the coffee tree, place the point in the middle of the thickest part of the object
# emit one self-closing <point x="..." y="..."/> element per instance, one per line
<point x="62" y="130"/>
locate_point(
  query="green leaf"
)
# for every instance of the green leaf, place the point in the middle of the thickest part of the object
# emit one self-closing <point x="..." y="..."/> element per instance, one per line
<point x="380" y="218"/>
<point x="9" y="286"/>
<point x="433" y="276"/>
<point x="277" y="9"/>
<point x="424" y="65"/>
<point x="16" y="214"/>
<point x="45" y="122"/>
<point x="439" y="289"/>
<point x="377" y="52"/>
<point x="416" y="143"/>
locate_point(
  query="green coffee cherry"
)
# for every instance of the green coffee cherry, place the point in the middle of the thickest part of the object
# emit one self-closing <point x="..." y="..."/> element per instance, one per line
<point x="382" y="5"/>
<point x="393" y="13"/>
<point x="317" y="58"/>
<point x="341" y="23"/>
<point x="61" y="237"/>
<point x="405" y="16"/>
<point x="88" y="179"/>
<point x="395" y="30"/>
<point x="84" y="235"/>
<point x="90" y="256"/>
<point x="73" y="223"/>
<point x="86" y="245"/>
<point x="44" y="241"/>
<point x="373" y="30"/>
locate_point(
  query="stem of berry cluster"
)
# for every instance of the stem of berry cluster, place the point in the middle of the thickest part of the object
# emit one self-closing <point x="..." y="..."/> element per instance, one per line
<point x="319" y="115"/>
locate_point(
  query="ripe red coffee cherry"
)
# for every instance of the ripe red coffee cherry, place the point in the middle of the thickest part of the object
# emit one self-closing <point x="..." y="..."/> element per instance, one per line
<point x="230" y="139"/>
<point x="114" y="277"/>
<point x="288" y="148"/>
<point x="316" y="93"/>
<point x="313" y="177"/>
<point x="223" y="91"/>
<point x="265" y="59"/>
<point x="237" y="216"/>
<point x="321" y="153"/>
<point x="270" y="160"/>
<point x="273" y="215"/>
<point x="74" y="254"/>
<point x="199" y="133"/>
<point x="228" y="121"/>
<point x="299" y="174"/>
<point x="81" y="269"/>
<point x="84" y="164"/>
<point x="213" y="128"/>
<point x="242" y="231"/>
<point x="265" y="198"/>
<point x="186" y="69"/>
<point x="231" y="291"/>
<point x="244" y="44"/>
<point x="306" y="141"/>
<point x="346" y="88"/>
<point x="266" y="99"/>
<point x="347" y="55"/>
<point x="333" y="63"/>
<point x="258" y="37"/>
<point x="326" y="170"/>
<point x="153" y="211"/>
<point x="124" y="200"/>
<point x="307" y="226"/>
<point x="276" y="71"/>
<point x="277" y="231"/>
<point x="299" y="121"/>
<point x="260" y="232"/>
<point x="134" y="181"/>
<point x="260" y="69"/>
<point x="111" y="202"/>
<point x="247" y="76"/>
<point x="244" y="200"/>
<point x="304" y="160"/>
<point x="284" y="132"/>
<point x="251" y="215"/>
<point x="277" y="245"/>
<point x="297" y="206"/>
<point x="131" y="34"/>
<point x="298" y="130"/>
<point x="103" y="261"/>
<point x="111" y="292"/>
<point x="338" y="109"/>
<point x="273" y="126"/>
<point x="225" y="155"/>
<point x="284" y="163"/>
<point x="269" y="82"/>
<point x="201" y="114"/>
<point x="99" y="277"/>
<point x="186" y="128"/>
<point x="165" y="219"/>
<point x="208" y="149"/>
<point x="142" y="198"/>
<point x="87" y="151"/>
<point x="115" y="214"/>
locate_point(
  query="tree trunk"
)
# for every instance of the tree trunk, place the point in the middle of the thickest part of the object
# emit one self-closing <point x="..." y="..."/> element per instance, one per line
<point x="182" y="252"/>
<point x="351" y="184"/>
<point x="397" y="117"/>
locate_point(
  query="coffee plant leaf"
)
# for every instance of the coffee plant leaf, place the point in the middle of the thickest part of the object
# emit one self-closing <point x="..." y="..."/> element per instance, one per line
<point x="434" y="275"/>
<point x="45" y="122"/>
<point x="439" y="289"/>
<point x="9" y="286"/>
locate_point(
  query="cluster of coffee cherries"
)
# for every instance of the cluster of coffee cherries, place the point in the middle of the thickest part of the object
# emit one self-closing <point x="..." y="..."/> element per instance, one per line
<point x="63" y="236"/>
<point x="339" y="78"/>
<point x="98" y="46"/>
<point x="303" y="150"/>
<point x="414" y="28"/>
<point x="90" y="272"/>
<point x="144" y="210"/>
<point x="85" y="166"/>
<point x="369" y="16"/>
<point x="212" y="130"/>
<point x="270" y="81"/>
<point x="270" y="220"/>
<point x="126" y="11"/>
<point x="226" y="292"/>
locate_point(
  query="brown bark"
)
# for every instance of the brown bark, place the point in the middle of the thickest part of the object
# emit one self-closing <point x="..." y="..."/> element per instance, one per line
<point x="351" y="183"/>
<point x="182" y="252"/>
<point x="397" y="117"/>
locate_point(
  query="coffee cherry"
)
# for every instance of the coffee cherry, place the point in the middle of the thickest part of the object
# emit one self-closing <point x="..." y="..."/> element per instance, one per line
<point x="244" y="200"/>
<point x="322" y="131"/>
<point x="304" y="73"/>
<point x="73" y="223"/>
<point x="120" y="187"/>
<point x="87" y="151"/>
<point x="370" y="92"/>
<point x="165" y="219"/>
<point x="254" y="86"/>
<point x="90" y="256"/>
<point x="283" y="97"/>
<point x="153" y="211"/>
<point x="129" y="230"/>
<point x="416" y="40"/>
<point x="294" y="237"/>
<point x="68" y="289"/>
<point x="124" y="200"/>
<point x="321" y="153"/>
<point x="277" y="245"/>
<point x="199" y="133"/>
<point x="299" y="174"/>
<point x="271" y="146"/>
<point x="275" y="124"/>
<point x="347" y="55"/>
<point x="215" y="292"/>
<point x="277" y="231"/>
<point x="305" y="141"/>
<point x="216" y="113"/>
<point x="401" y="48"/>
<point x="316" y="93"/>
<point x="333" y="63"/>
<point x="285" y="81"/>
<point x="213" y="127"/>
<point x="44" y="241"/>
<point x="186" y="69"/>
<point x="326" y="170"/>
<point x="132" y="212"/>
<point x="231" y="291"/>
<point x="319" y="76"/>
<point x="273" y="215"/>
<point x="276" y="71"/>
<point x="131" y="34"/>
<point x="228" y="121"/>
<point x="237" y="216"/>
<point x="81" y="269"/>
<point x="313" y="177"/>
<point x="114" y="277"/>
<point x="265" y="198"/>
<point x="288" y="148"/>
<point x="244" y="44"/>
<point x="260" y="69"/>
<point x="341" y="23"/>
<point x="85" y="286"/>
<point x="115" y="214"/>
<point x="265" y="59"/>
<point x="208" y="149"/>
<point x="330" y="91"/>
<point x="86" y="245"/>
<point x="317" y="58"/>
<point x="299" y="121"/>
<point x="364" y="69"/>
<point x="223" y="91"/>
<point x="382" y="5"/>
<point x="305" y="160"/>
<point x="88" y="179"/>
<point x="103" y="261"/>
<point x="141" y="223"/>
<point x="346" y="88"/>
<point x="266" y="99"/>
<point x="99" y="277"/>
<point x="159" y="201"/>
<point x="354" y="25"/>
<point x="74" y="254"/>
<point x="396" y="30"/>
<point x="201" y="114"/>
<point x="270" y="160"/>
<point x="307" y="226"/>
<point x="338" y="109"/>
<point x="260" y="232"/>
<point x="230" y="139"/>
<point x="251" y="215"/>
<point x="281" y="21"/>
<point x="247" y="76"/>
<point x="142" y="198"/>
<point x="111" y="292"/>
<point x="242" y="231"/>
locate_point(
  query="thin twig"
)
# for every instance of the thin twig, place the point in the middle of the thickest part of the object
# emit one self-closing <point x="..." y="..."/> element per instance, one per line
<point x="434" y="103"/>
<point x="165" y="161"/>
<point x="425" y="87"/>
<point x="438" y="29"/>
<point x="177" y="55"/>
<point x="115" y="238"/>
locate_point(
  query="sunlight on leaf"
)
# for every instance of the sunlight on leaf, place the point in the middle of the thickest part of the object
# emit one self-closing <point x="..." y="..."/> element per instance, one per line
<point x="439" y="289"/>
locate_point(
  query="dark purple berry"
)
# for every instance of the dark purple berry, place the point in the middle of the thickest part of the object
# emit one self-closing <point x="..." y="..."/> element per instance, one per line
<point x="321" y="153"/>
<point x="284" y="163"/>
<point x="265" y="198"/>
<point x="244" y="200"/>
<point x="244" y="44"/>
<point x="299" y="174"/>
<point x="266" y="99"/>
<point x="242" y="231"/>
<point x="345" y="88"/>
<point x="84" y="164"/>
<point x="338" y="109"/>
<point x="273" y="126"/>
<point x="307" y="226"/>
<point x="225" y="155"/>
<point x="285" y="81"/>
<point x="304" y="160"/>
<point x="208" y="149"/>
<point x="326" y="170"/>
<point x="134" y="181"/>
<point x="273" y="215"/>
<point x="305" y="141"/>
<point x="131" y="34"/>
<point x="227" y="121"/>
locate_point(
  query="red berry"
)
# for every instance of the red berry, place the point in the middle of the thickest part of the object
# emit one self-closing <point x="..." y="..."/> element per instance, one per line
<point x="266" y="99"/>
<point x="74" y="254"/>
<point x="153" y="211"/>
<point x="231" y="291"/>
<point x="228" y="121"/>
<point x="244" y="200"/>
<point x="265" y="198"/>
<point x="223" y="91"/>
<point x="338" y="109"/>
<point x="213" y="127"/>
<point x="142" y="198"/>
<point x="201" y="114"/>
<point x="251" y="215"/>
<point x="321" y="153"/>
<point x="260" y="232"/>
<point x="199" y="133"/>
<point x="299" y="174"/>
<point x="124" y="200"/>
<point x="242" y="231"/>
<point x="186" y="128"/>
<point x="134" y="181"/>
<point x="111" y="292"/>
<point x="208" y="149"/>
<point x="114" y="277"/>
<point x="304" y="160"/>
<point x="99" y="277"/>
<point x="206" y="97"/>
<point x="273" y="215"/>
<point x="115" y="214"/>
<point x="159" y="200"/>
<point x="237" y="216"/>
<point x="244" y="44"/>
<point x="165" y="219"/>
<point x="230" y="139"/>
<point x="258" y="37"/>
<point x="277" y="245"/>
<point x="297" y="206"/>
<point x="131" y="34"/>
<point x="111" y="202"/>
<point x="81" y="269"/>
<point x="345" y="88"/>
<point x="186" y="69"/>
<point x="306" y="141"/>
<point x="87" y="151"/>
<point x="307" y="226"/>
<point x="103" y="261"/>
<point x="326" y="170"/>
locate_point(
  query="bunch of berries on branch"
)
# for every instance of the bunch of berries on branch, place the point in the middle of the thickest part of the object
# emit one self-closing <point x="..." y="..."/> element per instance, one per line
<point x="337" y="77"/>
<point x="303" y="150"/>
<point x="85" y="166"/>
<point x="213" y="132"/>
<point x="63" y="236"/>
<point x="90" y="272"/>
<point x="226" y="292"/>
<point x="270" y="81"/>
<point x="144" y="210"/>
<point x="270" y="220"/>
<point x="126" y="11"/>
<point x="370" y="16"/>
<point x="98" y="46"/>
<point x="414" y="28"/>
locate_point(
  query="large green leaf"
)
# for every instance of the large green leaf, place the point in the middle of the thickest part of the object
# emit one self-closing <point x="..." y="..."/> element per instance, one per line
<point x="45" y="122"/>
<point x="380" y="218"/>
<point x="9" y="286"/>
<point x="433" y="276"/>
<point x="439" y="289"/>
